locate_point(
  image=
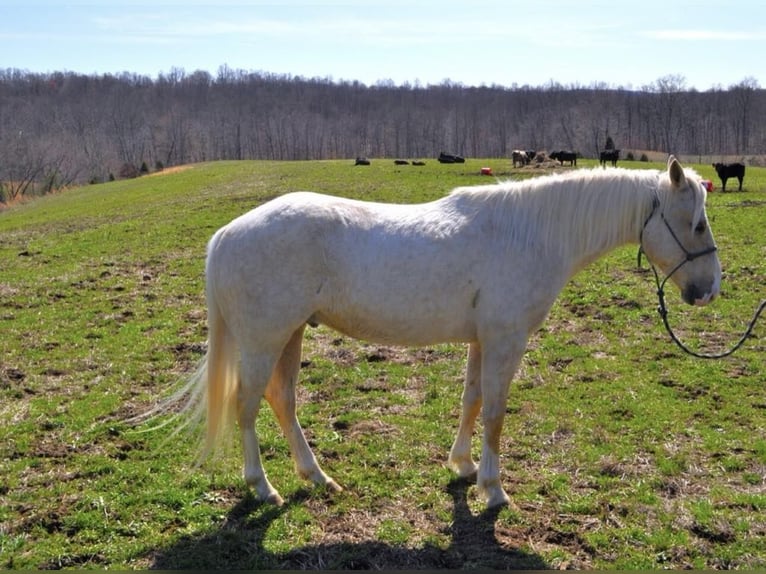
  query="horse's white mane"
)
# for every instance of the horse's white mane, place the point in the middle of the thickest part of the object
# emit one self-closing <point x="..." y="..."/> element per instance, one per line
<point x="582" y="209"/>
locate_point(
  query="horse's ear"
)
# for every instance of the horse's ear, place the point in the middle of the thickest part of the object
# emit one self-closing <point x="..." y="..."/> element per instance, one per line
<point x="676" y="172"/>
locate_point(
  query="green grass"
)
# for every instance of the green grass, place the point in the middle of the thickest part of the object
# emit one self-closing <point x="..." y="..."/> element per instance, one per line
<point x="619" y="451"/>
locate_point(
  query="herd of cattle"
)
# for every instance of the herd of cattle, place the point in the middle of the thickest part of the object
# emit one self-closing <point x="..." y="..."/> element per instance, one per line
<point x="523" y="157"/>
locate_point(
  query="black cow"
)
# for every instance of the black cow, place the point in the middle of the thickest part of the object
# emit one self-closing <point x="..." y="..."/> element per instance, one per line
<point x="563" y="156"/>
<point x="609" y="155"/>
<point x="450" y="158"/>
<point x="727" y="170"/>
<point x="401" y="162"/>
<point x="362" y="161"/>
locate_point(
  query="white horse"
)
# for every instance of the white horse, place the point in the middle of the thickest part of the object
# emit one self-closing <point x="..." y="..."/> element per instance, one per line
<point x="482" y="265"/>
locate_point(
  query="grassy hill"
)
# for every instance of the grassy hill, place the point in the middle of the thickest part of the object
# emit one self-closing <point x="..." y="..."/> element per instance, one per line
<point x="618" y="450"/>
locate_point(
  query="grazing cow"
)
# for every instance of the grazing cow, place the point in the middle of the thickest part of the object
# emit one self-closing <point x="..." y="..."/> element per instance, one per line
<point x="609" y="155"/>
<point x="563" y="156"/>
<point x="401" y="162"/>
<point x="727" y="170"/>
<point x="450" y="158"/>
<point x="418" y="162"/>
<point x="519" y="157"/>
<point x="362" y="161"/>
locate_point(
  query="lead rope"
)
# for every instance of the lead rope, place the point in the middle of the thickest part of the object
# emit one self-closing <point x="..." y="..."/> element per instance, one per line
<point x="663" y="310"/>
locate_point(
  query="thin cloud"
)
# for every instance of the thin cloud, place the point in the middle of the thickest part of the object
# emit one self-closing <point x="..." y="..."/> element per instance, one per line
<point x="179" y="26"/>
<point x="170" y="28"/>
<point x="697" y="35"/>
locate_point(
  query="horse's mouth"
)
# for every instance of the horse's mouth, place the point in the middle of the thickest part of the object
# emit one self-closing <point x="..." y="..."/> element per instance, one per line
<point x="704" y="300"/>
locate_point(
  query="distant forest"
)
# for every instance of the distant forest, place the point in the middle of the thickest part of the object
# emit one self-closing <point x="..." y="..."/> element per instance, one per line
<point x="61" y="128"/>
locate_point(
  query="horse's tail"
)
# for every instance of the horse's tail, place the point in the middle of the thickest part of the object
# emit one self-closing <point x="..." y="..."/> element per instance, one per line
<point x="211" y="391"/>
<point x="217" y="378"/>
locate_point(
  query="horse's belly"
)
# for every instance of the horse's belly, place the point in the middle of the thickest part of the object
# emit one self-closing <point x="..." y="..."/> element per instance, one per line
<point x="408" y="329"/>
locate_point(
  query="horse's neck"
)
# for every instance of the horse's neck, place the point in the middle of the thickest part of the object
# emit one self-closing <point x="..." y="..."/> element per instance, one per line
<point x="573" y="219"/>
<point x="602" y="215"/>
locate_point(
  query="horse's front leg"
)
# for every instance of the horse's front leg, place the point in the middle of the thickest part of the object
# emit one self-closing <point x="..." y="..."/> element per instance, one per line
<point x="460" y="457"/>
<point x="499" y="361"/>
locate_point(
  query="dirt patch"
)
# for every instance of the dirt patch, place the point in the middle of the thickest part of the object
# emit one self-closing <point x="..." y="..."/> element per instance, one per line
<point x="169" y="170"/>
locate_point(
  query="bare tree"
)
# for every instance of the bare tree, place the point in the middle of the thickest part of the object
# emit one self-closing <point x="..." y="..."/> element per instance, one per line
<point x="23" y="163"/>
<point x="743" y="96"/>
<point x="669" y="94"/>
<point x="64" y="127"/>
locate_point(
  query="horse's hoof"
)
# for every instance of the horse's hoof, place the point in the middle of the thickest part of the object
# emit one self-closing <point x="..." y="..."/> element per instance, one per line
<point x="468" y="472"/>
<point x="465" y="468"/>
<point x="499" y="501"/>
<point x="494" y="494"/>
<point x="274" y="498"/>
<point x="333" y="486"/>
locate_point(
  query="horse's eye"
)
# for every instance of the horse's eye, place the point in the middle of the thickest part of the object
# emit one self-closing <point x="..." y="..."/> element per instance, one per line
<point x="700" y="227"/>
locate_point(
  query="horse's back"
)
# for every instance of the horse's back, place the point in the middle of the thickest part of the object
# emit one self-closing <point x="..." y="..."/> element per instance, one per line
<point x="304" y="225"/>
<point x="367" y="269"/>
<point x="397" y="274"/>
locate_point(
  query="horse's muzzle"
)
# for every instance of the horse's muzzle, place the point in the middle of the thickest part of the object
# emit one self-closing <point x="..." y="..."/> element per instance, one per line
<point x="693" y="295"/>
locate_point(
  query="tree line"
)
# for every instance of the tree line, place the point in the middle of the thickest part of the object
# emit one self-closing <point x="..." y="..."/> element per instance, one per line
<point x="63" y="128"/>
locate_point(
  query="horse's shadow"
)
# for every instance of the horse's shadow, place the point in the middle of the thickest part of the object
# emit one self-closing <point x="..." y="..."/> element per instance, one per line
<point x="238" y="544"/>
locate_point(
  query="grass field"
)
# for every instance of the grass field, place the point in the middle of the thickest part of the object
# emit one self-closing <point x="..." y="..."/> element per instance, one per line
<point x="619" y="451"/>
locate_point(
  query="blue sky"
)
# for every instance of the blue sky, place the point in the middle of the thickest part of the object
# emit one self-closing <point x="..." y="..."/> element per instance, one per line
<point x="505" y="42"/>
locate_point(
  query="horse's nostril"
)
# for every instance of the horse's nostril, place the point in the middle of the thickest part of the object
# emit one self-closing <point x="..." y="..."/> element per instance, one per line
<point x="692" y="294"/>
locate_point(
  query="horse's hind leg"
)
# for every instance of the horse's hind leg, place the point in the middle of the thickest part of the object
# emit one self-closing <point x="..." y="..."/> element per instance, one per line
<point x="280" y="394"/>
<point x="255" y="372"/>
<point x="460" y="454"/>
